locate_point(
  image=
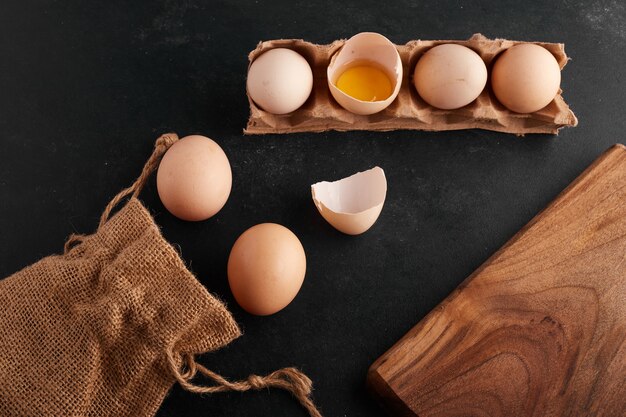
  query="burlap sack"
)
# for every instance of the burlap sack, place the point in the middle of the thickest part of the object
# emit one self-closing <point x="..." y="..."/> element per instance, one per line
<point x="108" y="327"/>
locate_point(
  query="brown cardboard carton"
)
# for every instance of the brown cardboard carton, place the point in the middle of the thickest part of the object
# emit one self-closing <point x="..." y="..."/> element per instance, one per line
<point x="321" y="112"/>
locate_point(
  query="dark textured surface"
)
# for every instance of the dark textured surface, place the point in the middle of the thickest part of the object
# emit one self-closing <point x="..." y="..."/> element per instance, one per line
<point x="86" y="88"/>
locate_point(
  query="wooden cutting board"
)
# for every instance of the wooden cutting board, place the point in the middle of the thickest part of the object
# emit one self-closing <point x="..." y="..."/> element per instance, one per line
<point x="539" y="329"/>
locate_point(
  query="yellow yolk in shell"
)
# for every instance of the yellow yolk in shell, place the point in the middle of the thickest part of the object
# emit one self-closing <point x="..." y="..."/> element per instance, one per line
<point x="365" y="82"/>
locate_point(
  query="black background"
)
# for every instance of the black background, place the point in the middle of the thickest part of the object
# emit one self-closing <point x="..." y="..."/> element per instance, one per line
<point x="86" y="87"/>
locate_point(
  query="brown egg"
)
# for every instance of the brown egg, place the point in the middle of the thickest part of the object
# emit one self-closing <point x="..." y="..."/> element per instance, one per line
<point x="526" y="78"/>
<point x="450" y="76"/>
<point x="266" y="268"/>
<point x="194" y="178"/>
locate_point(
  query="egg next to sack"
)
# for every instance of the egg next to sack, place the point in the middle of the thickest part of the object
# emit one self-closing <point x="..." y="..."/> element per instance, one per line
<point x="194" y="178"/>
<point x="266" y="268"/>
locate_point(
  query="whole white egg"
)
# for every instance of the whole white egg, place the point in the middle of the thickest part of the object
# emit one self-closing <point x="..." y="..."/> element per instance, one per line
<point x="280" y="81"/>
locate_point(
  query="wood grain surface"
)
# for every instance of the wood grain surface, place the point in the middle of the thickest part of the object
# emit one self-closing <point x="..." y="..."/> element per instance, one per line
<point x="539" y="329"/>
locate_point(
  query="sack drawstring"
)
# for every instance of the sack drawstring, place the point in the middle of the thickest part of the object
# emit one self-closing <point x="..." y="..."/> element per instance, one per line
<point x="288" y="379"/>
<point x="161" y="146"/>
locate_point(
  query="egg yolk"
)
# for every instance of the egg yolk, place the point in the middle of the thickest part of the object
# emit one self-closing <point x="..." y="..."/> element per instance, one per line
<point x="365" y="82"/>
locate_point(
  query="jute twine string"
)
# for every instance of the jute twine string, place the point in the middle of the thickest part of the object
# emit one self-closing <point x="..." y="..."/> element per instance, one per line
<point x="288" y="379"/>
<point x="186" y="368"/>
<point x="160" y="147"/>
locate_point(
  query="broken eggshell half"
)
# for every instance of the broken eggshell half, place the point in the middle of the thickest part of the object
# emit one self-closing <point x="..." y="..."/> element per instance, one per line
<point x="365" y="47"/>
<point x="352" y="205"/>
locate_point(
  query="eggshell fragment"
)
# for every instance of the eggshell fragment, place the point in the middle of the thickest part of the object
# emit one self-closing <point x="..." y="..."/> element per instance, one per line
<point x="365" y="47"/>
<point x="352" y="205"/>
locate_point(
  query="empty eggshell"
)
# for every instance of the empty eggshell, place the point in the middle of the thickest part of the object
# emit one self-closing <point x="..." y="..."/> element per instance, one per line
<point x="352" y="205"/>
<point x="365" y="47"/>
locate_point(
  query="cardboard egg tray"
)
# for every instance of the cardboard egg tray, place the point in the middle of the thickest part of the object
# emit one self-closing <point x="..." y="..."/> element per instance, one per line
<point x="408" y="111"/>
